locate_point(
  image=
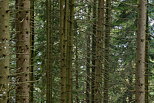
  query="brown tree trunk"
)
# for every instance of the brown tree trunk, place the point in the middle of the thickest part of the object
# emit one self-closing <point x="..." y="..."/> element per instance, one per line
<point x="93" y="54"/>
<point x="49" y="53"/>
<point x="88" y="62"/>
<point x="32" y="50"/>
<point x="106" y="50"/>
<point x="63" y="44"/>
<point x="147" y="61"/>
<point x="99" y="52"/>
<point x="4" y="51"/>
<point x="23" y="51"/>
<point x="140" y="60"/>
<point x="66" y="30"/>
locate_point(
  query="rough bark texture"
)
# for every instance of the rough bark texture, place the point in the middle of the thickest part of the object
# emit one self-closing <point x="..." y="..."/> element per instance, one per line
<point x="49" y="53"/>
<point x="99" y="52"/>
<point x="140" y="60"/>
<point x="106" y="50"/>
<point x="23" y="51"/>
<point x="4" y="50"/>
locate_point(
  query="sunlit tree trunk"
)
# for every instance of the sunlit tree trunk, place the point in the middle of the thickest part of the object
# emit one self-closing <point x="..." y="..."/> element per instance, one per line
<point x="23" y="51"/>
<point x="4" y="51"/>
<point x="140" y="60"/>
<point x="106" y="50"/>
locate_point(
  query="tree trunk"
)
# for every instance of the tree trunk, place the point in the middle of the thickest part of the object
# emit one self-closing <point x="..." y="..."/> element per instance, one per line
<point x="147" y="61"/>
<point x="49" y="53"/>
<point x="76" y="68"/>
<point x="106" y="50"/>
<point x="70" y="45"/>
<point x="88" y="62"/>
<point x="4" y="51"/>
<point x="32" y="50"/>
<point x="140" y="60"/>
<point x="23" y="51"/>
<point x="93" y="54"/>
<point x="66" y="30"/>
<point x="99" y="48"/>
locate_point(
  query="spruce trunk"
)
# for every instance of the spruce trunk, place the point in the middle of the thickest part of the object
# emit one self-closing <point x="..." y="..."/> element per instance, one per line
<point x="106" y="50"/>
<point x="4" y="51"/>
<point x="49" y="53"/>
<point x="23" y="51"/>
<point x="140" y="59"/>
<point x="99" y="52"/>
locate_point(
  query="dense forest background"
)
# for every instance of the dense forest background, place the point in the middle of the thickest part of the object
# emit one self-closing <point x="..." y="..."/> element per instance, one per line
<point x="76" y="51"/>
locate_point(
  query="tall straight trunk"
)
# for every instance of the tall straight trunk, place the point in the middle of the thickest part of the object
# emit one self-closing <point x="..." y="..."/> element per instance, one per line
<point x="66" y="30"/>
<point x="93" y="54"/>
<point x="23" y="51"/>
<point x="88" y="61"/>
<point x="106" y="50"/>
<point x="99" y="48"/>
<point x="147" y="61"/>
<point x="32" y="49"/>
<point x="140" y="59"/>
<point x="49" y="53"/>
<point x="76" y="68"/>
<point x="4" y="51"/>
<point x="130" y="80"/>
<point x="63" y="43"/>
<point x="70" y="45"/>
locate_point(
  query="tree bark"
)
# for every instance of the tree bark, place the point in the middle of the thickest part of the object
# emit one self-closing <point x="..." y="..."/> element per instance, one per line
<point x="4" y="51"/>
<point x="49" y="53"/>
<point x="88" y="61"/>
<point x="147" y="61"/>
<point x="93" y="54"/>
<point x="140" y="59"/>
<point x="32" y="50"/>
<point x="106" y="50"/>
<point x="66" y="31"/>
<point x="23" y="51"/>
<point x="99" y="52"/>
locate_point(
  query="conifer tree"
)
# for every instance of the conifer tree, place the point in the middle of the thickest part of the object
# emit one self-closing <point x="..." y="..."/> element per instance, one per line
<point x="22" y="51"/>
<point x="4" y="51"/>
<point x="140" y="59"/>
